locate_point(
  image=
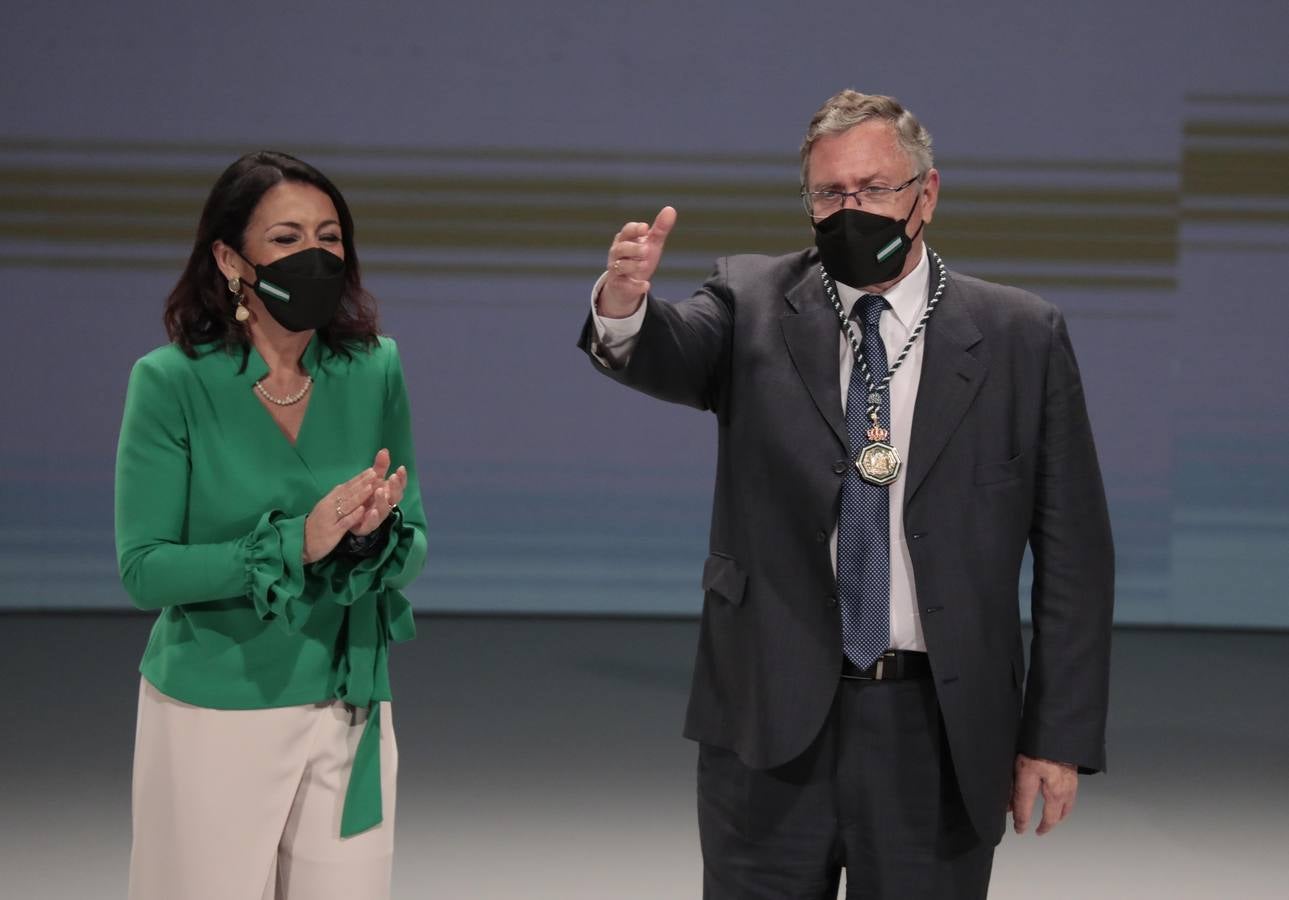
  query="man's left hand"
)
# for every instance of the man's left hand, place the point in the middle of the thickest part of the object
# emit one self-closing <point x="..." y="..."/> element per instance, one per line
<point x="1059" y="783"/>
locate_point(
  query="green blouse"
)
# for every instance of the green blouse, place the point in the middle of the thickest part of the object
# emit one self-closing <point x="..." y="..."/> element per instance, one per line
<point x="211" y="499"/>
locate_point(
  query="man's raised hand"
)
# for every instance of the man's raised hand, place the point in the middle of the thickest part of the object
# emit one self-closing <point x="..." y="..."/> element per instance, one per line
<point x="633" y="258"/>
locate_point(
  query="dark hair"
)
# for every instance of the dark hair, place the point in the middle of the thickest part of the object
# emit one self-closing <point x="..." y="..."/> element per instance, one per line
<point x="200" y="308"/>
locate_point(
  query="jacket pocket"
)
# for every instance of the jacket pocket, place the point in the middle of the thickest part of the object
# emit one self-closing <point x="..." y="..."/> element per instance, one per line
<point x="993" y="473"/>
<point x="722" y="575"/>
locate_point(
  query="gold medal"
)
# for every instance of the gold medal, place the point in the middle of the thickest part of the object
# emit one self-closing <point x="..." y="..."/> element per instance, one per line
<point x="879" y="462"/>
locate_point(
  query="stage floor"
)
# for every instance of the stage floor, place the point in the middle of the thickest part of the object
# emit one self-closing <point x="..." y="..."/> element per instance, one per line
<point x="542" y="758"/>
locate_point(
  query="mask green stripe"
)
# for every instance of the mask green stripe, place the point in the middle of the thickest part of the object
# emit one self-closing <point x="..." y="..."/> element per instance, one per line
<point x="267" y="287"/>
<point x="888" y="250"/>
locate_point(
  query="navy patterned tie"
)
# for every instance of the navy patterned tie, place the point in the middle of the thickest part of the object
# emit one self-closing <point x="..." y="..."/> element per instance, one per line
<point x="863" y="526"/>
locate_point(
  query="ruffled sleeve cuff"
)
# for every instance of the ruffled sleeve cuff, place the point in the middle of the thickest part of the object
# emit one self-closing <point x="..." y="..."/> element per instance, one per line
<point x="391" y="568"/>
<point x="275" y="568"/>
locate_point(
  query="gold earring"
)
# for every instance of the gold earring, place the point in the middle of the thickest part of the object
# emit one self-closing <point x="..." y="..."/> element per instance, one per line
<point x="241" y="313"/>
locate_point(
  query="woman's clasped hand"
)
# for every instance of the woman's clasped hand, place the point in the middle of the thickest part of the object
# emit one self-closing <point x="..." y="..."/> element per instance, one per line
<point x="358" y="506"/>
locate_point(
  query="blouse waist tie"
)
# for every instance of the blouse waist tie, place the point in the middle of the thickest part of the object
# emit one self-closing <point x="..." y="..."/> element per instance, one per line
<point x="368" y="629"/>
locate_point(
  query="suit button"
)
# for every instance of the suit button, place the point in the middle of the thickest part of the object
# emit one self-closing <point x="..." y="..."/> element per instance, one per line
<point x="918" y="535"/>
<point x="821" y="536"/>
<point x="832" y="599"/>
<point x="839" y="467"/>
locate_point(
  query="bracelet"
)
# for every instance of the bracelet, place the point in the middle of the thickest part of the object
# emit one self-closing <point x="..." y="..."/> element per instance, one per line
<point x="363" y="546"/>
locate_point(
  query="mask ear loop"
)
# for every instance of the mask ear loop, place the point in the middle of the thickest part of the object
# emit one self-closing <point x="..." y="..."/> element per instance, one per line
<point x="914" y="236"/>
<point x="255" y="268"/>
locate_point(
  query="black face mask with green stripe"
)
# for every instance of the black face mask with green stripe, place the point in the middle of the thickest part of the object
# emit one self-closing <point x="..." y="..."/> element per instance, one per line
<point x="302" y="291"/>
<point x="863" y="249"/>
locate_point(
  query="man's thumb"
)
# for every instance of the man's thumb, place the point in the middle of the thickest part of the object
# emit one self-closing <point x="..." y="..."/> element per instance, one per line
<point x="662" y="224"/>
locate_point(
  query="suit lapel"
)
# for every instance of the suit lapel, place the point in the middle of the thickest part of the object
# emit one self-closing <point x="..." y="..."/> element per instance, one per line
<point x="951" y="376"/>
<point x="810" y="331"/>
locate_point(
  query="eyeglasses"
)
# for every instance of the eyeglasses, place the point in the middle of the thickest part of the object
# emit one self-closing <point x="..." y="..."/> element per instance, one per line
<point x="821" y="204"/>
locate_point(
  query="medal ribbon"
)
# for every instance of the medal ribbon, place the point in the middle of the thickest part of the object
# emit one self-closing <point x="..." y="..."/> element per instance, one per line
<point x="875" y="390"/>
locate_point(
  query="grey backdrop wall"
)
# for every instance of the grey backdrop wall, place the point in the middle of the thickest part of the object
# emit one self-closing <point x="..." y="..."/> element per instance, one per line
<point x="1127" y="160"/>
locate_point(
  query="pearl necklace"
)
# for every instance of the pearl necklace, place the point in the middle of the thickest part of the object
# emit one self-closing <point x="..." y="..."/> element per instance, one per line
<point x="289" y="400"/>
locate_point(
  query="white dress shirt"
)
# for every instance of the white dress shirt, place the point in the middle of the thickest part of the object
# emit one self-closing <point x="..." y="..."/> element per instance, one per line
<point x="616" y="338"/>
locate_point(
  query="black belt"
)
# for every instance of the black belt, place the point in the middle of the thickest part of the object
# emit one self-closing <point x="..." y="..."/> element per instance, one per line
<point x="891" y="665"/>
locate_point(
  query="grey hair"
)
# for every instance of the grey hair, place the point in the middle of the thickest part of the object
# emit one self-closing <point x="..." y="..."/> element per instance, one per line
<point x="846" y="109"/>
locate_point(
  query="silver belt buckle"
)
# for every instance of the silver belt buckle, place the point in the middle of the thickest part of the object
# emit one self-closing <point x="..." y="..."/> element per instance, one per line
<point x="879" y="671"/>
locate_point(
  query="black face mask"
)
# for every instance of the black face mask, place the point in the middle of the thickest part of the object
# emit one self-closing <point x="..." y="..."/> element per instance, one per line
<point x="302" y="291"/>
<point x="861" y="248"/>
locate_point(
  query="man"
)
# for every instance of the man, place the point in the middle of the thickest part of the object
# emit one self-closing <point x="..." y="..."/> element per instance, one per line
<point x="857" y="692"/>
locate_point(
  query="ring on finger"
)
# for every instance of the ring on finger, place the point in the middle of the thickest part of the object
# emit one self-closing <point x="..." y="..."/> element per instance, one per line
<point x="617" y="265"/>
<point x="340" y="502"/>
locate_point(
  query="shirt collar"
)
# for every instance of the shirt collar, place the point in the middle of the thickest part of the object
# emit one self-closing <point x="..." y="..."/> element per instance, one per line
<point x="907" y="297"/>
<point x="257" y="368"/>
<point x="229" y="362"/>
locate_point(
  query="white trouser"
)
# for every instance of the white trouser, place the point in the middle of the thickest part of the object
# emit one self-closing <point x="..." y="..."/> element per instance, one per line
<point x="245" y="804"/>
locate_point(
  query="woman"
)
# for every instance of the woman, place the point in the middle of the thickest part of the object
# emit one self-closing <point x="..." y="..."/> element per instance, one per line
<point x="257" y="511"/>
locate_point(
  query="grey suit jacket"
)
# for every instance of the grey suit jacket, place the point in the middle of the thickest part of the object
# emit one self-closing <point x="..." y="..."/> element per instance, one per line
<point x="1001" y="455"/>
